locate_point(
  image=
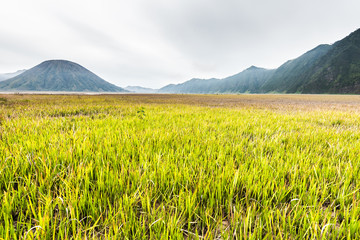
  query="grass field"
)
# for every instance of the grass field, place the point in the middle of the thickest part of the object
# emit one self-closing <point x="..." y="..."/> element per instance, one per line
<point x="179" y="167"/>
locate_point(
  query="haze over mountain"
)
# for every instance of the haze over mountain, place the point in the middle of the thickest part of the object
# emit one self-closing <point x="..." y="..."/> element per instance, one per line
<point x="5" y="76"/>
<point x="58" y="75"/>
<point x="138" y="89"/>
<point x="324" y="69"/>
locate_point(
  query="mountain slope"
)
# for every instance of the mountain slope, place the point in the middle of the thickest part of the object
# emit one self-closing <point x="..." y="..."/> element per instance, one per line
<point x="338" y="71"/>
<point x="292" y="74"/>
<point x="5" y="76"/>
<point x="58" y="75"/>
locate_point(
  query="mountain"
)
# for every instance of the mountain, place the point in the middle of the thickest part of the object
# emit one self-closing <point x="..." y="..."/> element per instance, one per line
<point x="58" y="75"/>
<point x="249" y="80"/>
<point x="5" y="76"/>
<point x="324" y="69"/>
<point x="137" y="89"/>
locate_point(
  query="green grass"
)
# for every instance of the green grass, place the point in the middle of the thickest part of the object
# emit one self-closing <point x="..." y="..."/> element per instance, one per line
<point x="115" y="167"/>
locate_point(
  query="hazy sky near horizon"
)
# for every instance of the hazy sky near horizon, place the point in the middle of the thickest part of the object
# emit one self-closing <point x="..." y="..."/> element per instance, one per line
<point x="153" y="43"/>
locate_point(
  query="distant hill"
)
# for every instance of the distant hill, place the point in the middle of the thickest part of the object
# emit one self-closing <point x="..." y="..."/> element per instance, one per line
<point x="324" y="69"/>
<point x="58" y="75"/>
<point x="5" y="76"/>
<point x="137" y="89"/>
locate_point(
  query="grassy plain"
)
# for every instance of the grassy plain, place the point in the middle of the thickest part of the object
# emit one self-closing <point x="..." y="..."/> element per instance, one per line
<point x="179" y="167"/>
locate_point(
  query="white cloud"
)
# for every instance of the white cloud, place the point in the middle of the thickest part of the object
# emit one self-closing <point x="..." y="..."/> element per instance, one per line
<point x="153" y="43"/>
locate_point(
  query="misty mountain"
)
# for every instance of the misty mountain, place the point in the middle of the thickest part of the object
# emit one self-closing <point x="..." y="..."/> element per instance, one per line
<point x="324" y="69"/>
<point x="194" y="85"/>
<point x="137" y="89"/>
<point x="58" y="75"/>
<point x="5" y="76"/>
<point x="249" y="80"/>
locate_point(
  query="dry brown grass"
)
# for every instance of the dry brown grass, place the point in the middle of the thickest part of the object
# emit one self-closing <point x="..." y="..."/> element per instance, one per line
<point x="263" y="101"/>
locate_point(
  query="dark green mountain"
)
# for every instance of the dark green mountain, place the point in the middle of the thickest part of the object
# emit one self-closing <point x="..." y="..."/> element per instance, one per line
<point x="58" y="75"/>
<point x="324" y="69"/>
<point x="292" y="74"/>
<point x="338" y="71"/>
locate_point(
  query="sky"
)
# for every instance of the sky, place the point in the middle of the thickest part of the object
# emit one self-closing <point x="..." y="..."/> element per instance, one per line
<point x="152" y="43"/>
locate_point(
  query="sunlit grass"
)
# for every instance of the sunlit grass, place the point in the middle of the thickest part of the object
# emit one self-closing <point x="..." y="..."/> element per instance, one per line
<point x="118" y="167"/>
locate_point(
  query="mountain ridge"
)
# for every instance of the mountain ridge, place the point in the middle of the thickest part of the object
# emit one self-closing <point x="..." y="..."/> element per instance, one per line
<point x="324" y="69"/>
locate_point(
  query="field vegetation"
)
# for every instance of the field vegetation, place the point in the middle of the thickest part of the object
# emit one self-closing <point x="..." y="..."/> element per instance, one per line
<point x="179" y="167"/>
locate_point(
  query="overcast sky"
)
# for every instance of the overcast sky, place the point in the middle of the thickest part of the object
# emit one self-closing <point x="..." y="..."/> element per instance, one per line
<point x="152" y="43"/>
